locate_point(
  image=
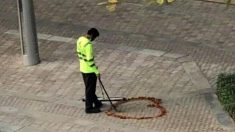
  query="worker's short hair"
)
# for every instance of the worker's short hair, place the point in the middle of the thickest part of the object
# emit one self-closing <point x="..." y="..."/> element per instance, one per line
<point x="94" y="32"/>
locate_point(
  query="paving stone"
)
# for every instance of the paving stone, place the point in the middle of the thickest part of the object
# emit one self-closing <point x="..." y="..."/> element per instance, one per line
<point x="196" y="76"/>
<point x="152" y="52"/>
<point x="31" y="129"/>
<point x="8" y="127"/>
<point x="173" y="55"/>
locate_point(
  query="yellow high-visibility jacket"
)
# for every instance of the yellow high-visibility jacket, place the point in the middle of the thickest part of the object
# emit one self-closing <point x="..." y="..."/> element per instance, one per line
<point x="86" y="57"/>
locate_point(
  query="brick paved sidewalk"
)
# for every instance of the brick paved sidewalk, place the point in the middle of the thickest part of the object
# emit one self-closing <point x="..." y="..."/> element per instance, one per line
<point x="186" y="45"/>
<point x="47" y="97"/>
<point x="200" y="29"/>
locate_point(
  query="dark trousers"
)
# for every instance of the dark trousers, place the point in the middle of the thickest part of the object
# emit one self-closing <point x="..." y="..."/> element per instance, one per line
<point x="90" y="80"/>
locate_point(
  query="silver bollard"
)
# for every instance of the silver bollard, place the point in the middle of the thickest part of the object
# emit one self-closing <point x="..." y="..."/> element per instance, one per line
<point x="27" y="26"/>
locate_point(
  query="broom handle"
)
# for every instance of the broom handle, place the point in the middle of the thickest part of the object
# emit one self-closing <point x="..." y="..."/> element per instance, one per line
<point x="106" y="93"/>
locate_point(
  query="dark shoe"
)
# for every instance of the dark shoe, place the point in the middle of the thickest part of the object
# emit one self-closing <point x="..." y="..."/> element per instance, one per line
<point x="98" y="104"/>
<point x="93" y="110"/>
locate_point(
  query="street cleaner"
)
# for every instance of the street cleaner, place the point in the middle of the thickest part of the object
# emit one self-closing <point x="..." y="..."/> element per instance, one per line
<point x="89" y="70"/>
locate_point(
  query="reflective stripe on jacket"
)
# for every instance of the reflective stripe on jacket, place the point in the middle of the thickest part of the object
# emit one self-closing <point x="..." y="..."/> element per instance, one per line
<point x="86" y="56"/>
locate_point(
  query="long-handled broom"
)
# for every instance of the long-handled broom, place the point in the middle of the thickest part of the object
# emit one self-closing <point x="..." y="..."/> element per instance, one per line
<point x="102" y="86"/>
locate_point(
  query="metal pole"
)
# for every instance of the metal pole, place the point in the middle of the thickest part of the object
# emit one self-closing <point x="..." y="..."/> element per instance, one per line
<point x="29" y="33"/>
<point x="19" y="7"/>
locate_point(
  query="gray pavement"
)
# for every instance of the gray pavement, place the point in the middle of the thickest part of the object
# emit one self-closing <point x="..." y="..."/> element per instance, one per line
<point x="171" y="52"/>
